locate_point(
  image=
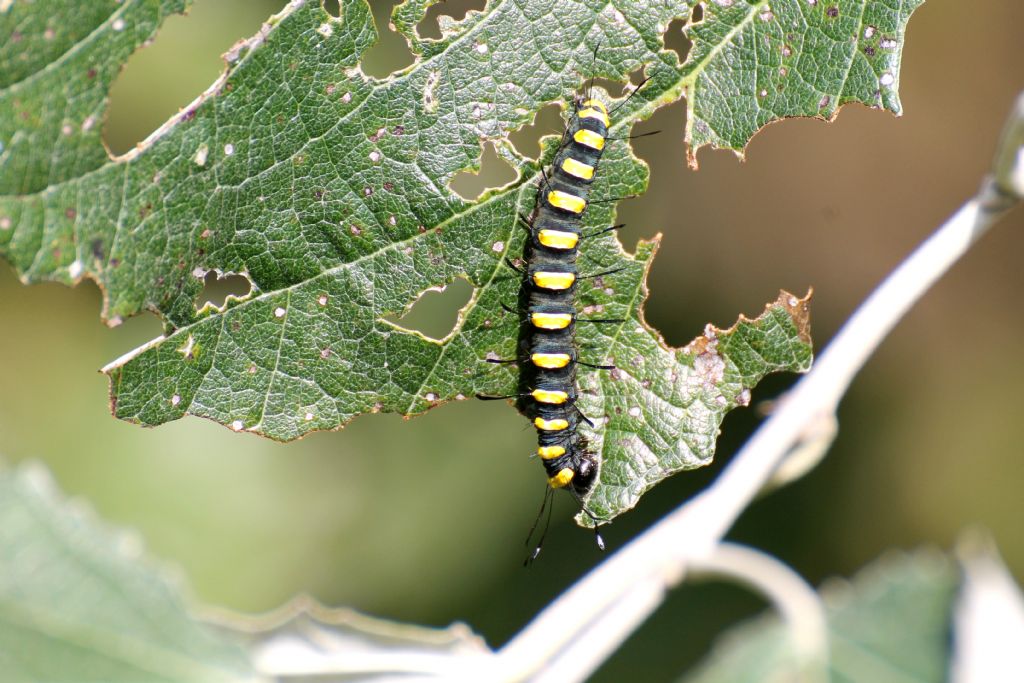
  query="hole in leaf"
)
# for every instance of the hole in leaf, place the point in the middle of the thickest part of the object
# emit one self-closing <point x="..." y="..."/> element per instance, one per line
<point x="697" y="15"/>
<point x="182" y="61"/>
<point x="456" y="9"/>
<point x="436" y="311"/>
<point x="548" y="121"/>
<point x="619" y="89"/>
<point x="494" y="172"/>
<point x="615" y="88"/>
<point x="133" y="332"/>
<point x="391" y="53"/>
<point x="332" y="7"/>
<point x="676" y="40"/>
<point x="217" y="287"/>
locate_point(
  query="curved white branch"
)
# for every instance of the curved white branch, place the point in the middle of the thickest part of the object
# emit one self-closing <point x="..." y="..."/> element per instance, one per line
<point x="796" y="601"/>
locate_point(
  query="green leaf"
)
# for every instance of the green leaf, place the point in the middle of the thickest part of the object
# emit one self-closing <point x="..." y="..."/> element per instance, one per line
<point x="662" y="407"/>
<point x="756" y="62"/>
<point x="327" y="189"/>
<point x="78" y="603"/>
<point x="891" y="623"/>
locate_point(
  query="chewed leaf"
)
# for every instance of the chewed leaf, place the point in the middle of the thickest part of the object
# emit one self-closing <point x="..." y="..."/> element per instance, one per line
<point x="756" y="62"/>
<point x="328" y="192"/>
<point x="661" y="408"/>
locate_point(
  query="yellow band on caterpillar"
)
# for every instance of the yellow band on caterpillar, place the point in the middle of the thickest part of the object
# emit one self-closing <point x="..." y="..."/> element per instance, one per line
<point x="558" y="239"/>
<point x="562" y="479"/>
<point x="589" y="138"/>
<point x="555" y="425"/>
<point x="595" y="113"/>
<point x="552" y="280"/>
<point x="566" y="201"/>
<point x="578" y="169"/>
<point x="549" y="396"/>
<point x="550" y="361"/>
<point x="551" y="321"/>
<point x="550" y="452"/>
<point x="597" y="104"/>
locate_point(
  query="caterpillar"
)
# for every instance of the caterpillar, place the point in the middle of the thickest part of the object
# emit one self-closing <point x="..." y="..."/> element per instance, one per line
<point x="549" y="354"/>
<point x="550" y="288"/>
<point x="548" y="295"/>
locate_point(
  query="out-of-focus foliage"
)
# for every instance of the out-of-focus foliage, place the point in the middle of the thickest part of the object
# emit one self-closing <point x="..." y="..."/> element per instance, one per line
<point x="891" y="623"/>
<point x="78" y="602"/>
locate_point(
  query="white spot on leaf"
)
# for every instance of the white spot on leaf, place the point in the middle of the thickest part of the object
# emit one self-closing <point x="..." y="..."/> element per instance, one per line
<point x="887" y="79"/>
<point x="229" y="149"/>
<point x="325" y="29"/>
<point x="175" y="400"/>
<point x="498" y="247"/>
<point x="374" y="156"/>
<point x="200" y="157"/>
<point x="89" y="122"/>
<point x="118" y="24"/>
<point x="188" y="347"/>
<point x="75" y="269"/>
<point x="237" y="425"/>
<point x="279" y="312"/>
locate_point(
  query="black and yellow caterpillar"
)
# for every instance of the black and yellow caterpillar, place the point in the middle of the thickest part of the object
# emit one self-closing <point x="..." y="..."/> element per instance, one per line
<point x="548" y="353"/>
<point x="550" y="295"/>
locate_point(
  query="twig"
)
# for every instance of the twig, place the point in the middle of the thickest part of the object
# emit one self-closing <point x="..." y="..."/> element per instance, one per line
<point x="795" y="600"/>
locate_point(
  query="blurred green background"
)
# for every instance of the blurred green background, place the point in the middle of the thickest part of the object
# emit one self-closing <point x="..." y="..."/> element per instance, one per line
<point x="424" y="520"/>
